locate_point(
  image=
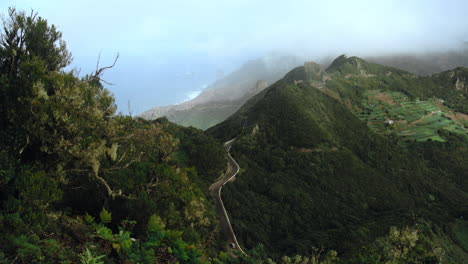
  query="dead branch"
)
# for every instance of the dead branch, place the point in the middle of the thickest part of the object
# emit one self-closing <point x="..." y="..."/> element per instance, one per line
<point x="98" y="60"/>
<point x="106" y="82"/>
<point x="97" y="74"/>
<point x="25" y="145"/>
<point x="122" y="157"/>
<point x="113" y="194"/>
<point x="100" y="71"/>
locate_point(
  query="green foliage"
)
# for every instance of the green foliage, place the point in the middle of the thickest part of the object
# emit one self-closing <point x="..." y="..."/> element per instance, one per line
<point x="104" y="232"/>
<point x="155" y="231"/>
<point x="155" y="224"/>
<point x="401" y="245"/>
<point x="258" y="255"/>
<point x="179" y="249"/>
<point x="28" y="248"/>
<point x="88" y="258"/>
<point x="158" y="244"/>
<point x="122" y="241"/>
<point x="30" y="50"/>
<point x="64" y="153"/>
<point x="312" y="173"/>
<point x="105" y="216"/>
<point x="200" y="151"/>
<point x="37" y="188"/>
<point x="89" y="219"/>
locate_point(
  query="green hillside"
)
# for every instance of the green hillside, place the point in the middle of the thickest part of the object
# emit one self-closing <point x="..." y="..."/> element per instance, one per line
<point x="393" y="113"/>
<point x="322" y="178"/>
<point x="320" y="168"/>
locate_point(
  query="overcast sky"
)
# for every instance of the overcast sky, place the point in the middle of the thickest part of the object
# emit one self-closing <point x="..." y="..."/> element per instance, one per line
<point x="169" y="50"/>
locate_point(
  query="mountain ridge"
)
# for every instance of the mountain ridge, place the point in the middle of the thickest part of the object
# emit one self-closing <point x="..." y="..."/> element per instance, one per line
<point x="233" y="90"/>
<point x="312" y="156"/>
<point x="195" y="113"/>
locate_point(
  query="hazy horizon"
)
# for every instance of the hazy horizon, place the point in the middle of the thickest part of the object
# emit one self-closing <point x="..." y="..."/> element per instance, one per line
<point x="170" y="51"/>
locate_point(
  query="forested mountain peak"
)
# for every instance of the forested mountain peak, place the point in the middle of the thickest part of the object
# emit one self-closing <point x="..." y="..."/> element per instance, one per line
<point x="357" y="66"/>
<point x="348" y="147"/>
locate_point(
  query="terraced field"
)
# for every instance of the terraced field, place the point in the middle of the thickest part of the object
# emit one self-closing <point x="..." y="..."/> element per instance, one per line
<point x="394" y="113"/>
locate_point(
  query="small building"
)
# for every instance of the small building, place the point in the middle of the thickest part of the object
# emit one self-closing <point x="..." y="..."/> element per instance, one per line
<point x="389" y="122"/>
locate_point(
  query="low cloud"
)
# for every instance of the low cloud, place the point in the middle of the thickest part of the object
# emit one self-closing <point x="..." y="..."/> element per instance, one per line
<point x="214" y="35"/>
<point x="191" y="95"/>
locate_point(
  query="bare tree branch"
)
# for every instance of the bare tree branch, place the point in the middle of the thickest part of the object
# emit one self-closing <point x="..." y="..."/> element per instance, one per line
<point x="108" y="83"/>
<point x="98" y="60"/>
<point x="97" y="74"/>
<point x="101" y="70"/>
<point x="112" y="193"/>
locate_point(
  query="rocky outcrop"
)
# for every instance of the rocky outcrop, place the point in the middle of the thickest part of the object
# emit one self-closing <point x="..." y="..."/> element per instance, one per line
<point x="461" y="85"/>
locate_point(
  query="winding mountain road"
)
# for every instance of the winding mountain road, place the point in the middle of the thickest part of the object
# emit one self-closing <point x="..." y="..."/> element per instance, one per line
<point x="215" y="189"/>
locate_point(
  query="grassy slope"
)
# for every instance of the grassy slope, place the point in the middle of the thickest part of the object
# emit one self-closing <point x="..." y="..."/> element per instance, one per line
<point x="418" y="120"/>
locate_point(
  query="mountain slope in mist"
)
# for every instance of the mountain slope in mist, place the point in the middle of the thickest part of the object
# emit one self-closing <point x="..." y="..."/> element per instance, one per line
<point x="313" y="173"/>
<point x="225" y="96"/>
<point x="427" y="62"/>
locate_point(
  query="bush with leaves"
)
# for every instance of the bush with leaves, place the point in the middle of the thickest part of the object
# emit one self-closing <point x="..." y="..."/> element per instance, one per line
<point x="88" y="258"/>
<point x="401" y="246"/>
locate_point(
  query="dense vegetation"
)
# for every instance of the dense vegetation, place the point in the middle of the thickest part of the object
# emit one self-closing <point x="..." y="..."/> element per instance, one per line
<point x="77" y="181"/>
<point x="314" y="174"/>
<point x="79" y="184"/>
